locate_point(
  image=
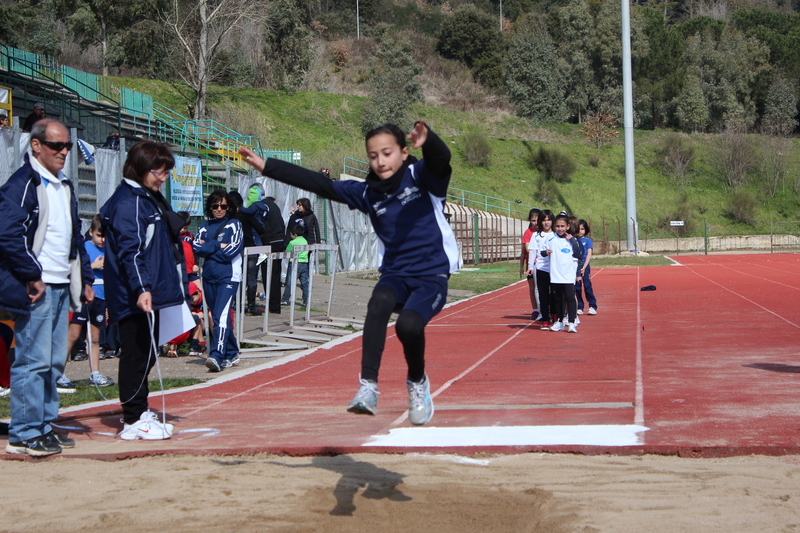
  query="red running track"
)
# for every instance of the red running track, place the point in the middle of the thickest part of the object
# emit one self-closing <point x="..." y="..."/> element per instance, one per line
<point x="706" y="365"/>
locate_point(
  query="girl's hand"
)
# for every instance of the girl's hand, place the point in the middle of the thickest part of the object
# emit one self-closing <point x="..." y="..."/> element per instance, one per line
<point x="418" y="135"/>
<point x="252" y="159"/>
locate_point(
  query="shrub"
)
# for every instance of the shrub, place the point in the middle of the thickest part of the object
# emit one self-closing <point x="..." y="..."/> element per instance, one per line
<point x="677" y="158"/>
<point x="341" y="54"/>
<point x="548" y="192"/>
<point x="554" y="164"/>
<point x="682" y="210"/>
<point x="477" y="149"/>
<point x="733" y="157"/>
<point x="742" y="207"/>
<point x="597" y="129"/>
<point x="594" y="160"/>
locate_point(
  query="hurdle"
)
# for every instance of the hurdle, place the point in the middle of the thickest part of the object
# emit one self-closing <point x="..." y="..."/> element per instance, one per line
<point x="266" y="346"/>
<point x="325" y="324"/>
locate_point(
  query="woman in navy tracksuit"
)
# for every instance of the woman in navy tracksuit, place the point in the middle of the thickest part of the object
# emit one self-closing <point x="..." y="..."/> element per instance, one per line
<point x="144" y="272"/>
<point x="404" y="199"/>
<point x="219" y="241"/>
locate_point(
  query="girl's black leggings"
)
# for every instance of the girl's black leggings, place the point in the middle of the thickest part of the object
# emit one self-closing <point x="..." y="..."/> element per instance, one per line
<point x="564" y="293"/>
<point x="410" y="330"/>
<point x="545" y="302"/>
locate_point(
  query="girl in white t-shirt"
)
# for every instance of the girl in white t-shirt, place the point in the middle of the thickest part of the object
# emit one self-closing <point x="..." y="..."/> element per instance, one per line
<point x="564" y="253"/>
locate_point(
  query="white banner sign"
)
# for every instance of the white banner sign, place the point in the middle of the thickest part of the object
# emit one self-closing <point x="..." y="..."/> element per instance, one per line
<point x="186" y="191"/>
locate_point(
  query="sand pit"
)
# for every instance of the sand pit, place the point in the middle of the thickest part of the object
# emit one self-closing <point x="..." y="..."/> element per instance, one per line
<point x="387" y="493"/>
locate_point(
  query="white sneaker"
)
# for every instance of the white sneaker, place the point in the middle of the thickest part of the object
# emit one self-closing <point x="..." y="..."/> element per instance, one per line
<point x="365" y="402"/>
<point x="147" y="428"/>
<point x="580" y="311"/>
<point x="558" y="326"/>
<point x="592" y="311"/>
<point x="420" y="403"/>
<point x="5" y="391"/>
<point x="571" y="328"/>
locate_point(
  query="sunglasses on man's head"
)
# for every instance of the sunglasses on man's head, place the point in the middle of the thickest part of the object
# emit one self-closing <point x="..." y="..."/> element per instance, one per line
<point x="224" y="207"/>
<point x="57" y="146"/>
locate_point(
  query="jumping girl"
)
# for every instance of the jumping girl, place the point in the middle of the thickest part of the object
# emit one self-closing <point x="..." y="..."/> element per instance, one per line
<point x="404" y="199"/>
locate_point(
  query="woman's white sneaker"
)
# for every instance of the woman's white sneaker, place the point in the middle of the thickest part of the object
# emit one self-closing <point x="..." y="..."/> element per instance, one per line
<point x="147" y="428"/>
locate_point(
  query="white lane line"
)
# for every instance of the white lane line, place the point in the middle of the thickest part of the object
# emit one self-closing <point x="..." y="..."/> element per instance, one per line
<point x="745" y="298"/>
<point x="638" y="413"/>
<point x="599" y="435"/>
<point x="444" y="387"/>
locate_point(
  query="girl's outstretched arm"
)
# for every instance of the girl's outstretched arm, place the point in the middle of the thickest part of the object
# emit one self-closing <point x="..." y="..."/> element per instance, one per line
<point x="297" y="176"/>
<point x="434" y="151"/>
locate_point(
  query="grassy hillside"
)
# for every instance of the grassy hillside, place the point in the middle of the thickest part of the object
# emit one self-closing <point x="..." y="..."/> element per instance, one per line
<point x="325" y="128"/>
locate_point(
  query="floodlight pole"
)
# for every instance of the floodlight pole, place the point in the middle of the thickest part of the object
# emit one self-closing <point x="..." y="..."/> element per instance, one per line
<point x="627" y="103"/>
<point x="501" y="16"/>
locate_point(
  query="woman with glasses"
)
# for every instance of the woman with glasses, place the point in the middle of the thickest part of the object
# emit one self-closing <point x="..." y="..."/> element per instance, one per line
<point x="219" y="241"/>
<point x="144" y="272"/>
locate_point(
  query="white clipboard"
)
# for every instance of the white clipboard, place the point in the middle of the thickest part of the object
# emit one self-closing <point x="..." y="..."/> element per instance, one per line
<point x="174" y="321"/>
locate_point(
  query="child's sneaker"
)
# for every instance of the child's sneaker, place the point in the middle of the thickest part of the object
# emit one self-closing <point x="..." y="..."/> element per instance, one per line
<point x="213" y="365"/>
<point x="420" y="403"/>
<point x="365" y="402"/>
<point x="227" y="363"/>
<point x="147" y="428"/>
<point x="100" y="380"/>
<point x="64" y="385"/>
<point x="571" y="328"/>
<point x="592" y="311"/>
<point x="545" y="325"/>
<point x="558" y="326"/>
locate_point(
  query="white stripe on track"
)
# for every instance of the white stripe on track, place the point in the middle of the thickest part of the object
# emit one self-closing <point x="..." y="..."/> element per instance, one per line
<point x="638" y="416"/>
<point x="745" y="298"/>
<point x="444" y="387"/>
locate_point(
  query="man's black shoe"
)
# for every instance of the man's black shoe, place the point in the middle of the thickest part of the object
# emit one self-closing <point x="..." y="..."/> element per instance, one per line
<point x="253" y="311"/>
<point x="36" y="447"/>
<point x="61" y="440"/>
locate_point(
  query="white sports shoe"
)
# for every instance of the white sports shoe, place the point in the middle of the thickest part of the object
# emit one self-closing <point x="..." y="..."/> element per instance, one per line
<point x="365" y="402"/>
<point x="420" y="403"/>
<point x="147" y="428"/>
<point x="592" y="311"/>
<point x="571" y="328"/>
<point x="580" y="311"/>
<point x="557" y="326"/>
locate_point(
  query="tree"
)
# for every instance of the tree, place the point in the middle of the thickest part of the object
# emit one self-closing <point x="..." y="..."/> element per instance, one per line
<point x="691" y="108"/>
<point x="728" y="70"/>
<point x="575" y="32"/>
<point x="100" y="22"/>
<point x="532" y="77"/>
<point x="288" y="43"/>
<point x="393" y="85"/>
<point x="780" y="108"/>
<point x="200" y="28"/>
<point x="473" y="37"/>
<point x="607" y="54"/>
